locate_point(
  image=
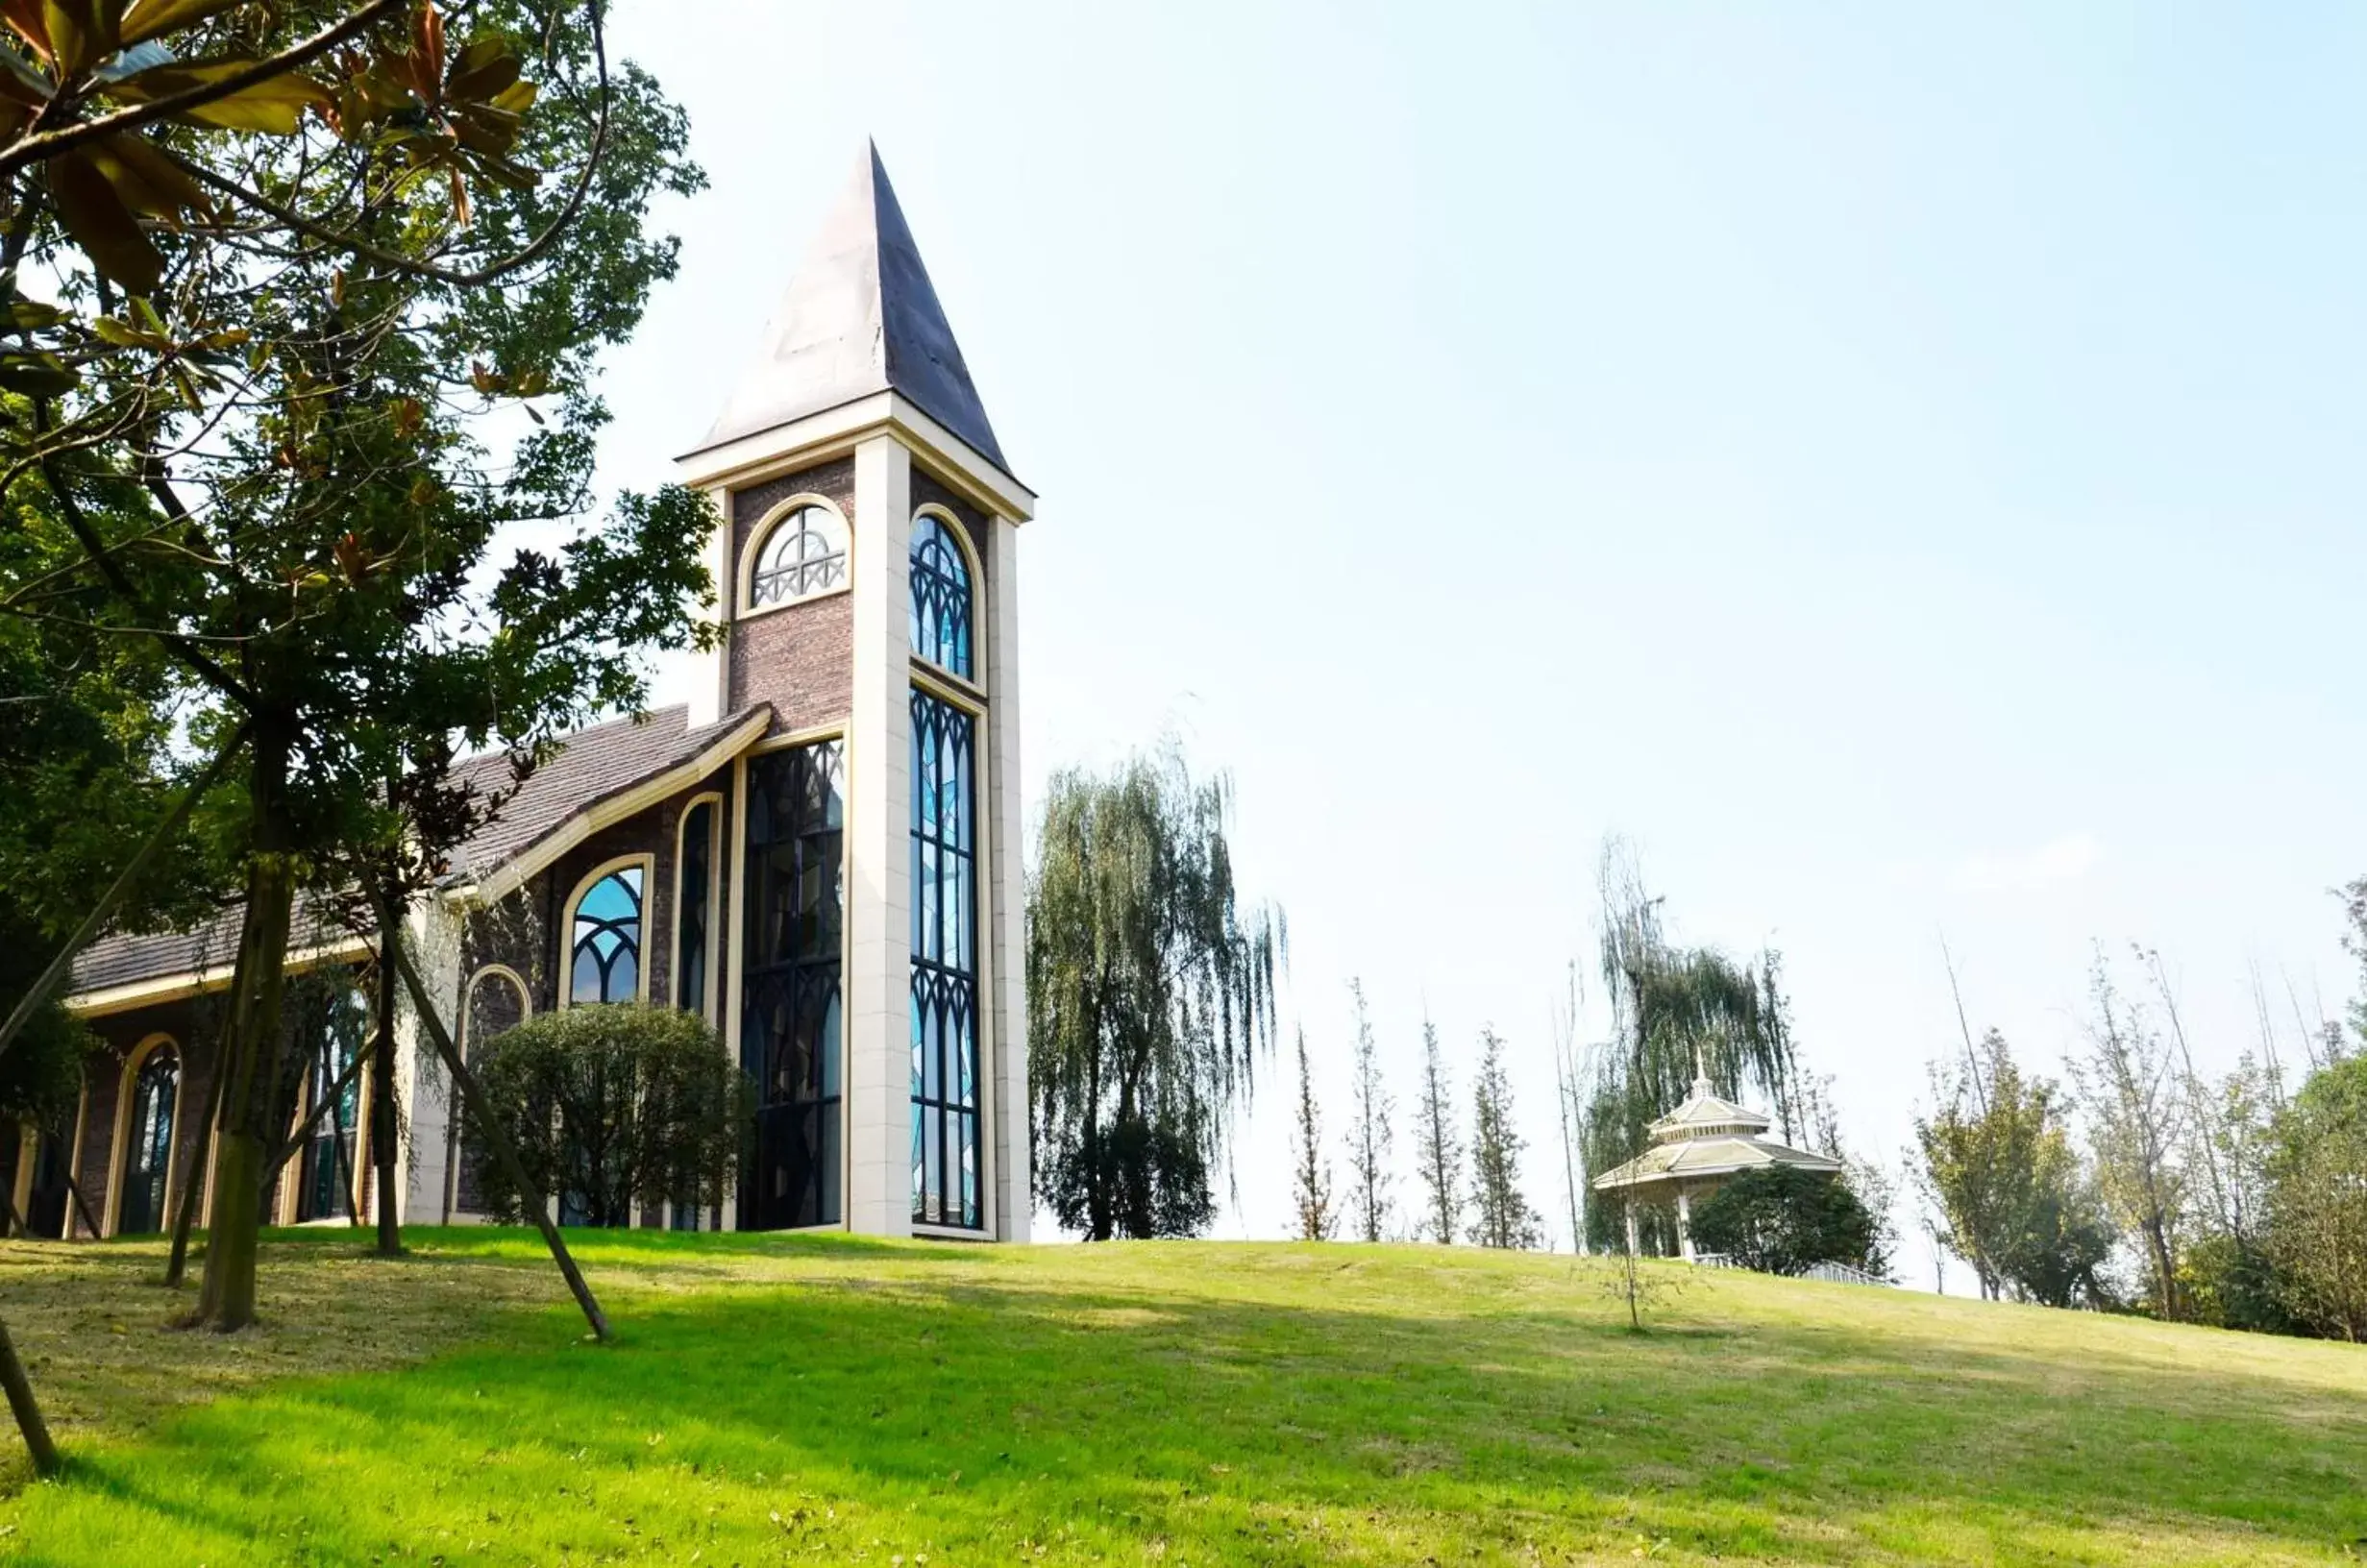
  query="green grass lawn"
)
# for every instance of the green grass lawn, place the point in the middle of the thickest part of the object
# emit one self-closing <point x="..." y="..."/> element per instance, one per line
<point x="827" y="1400"/>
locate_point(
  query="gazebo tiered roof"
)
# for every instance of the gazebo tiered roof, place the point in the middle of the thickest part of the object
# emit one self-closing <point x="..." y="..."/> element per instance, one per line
<point x="1707" y="1137"/>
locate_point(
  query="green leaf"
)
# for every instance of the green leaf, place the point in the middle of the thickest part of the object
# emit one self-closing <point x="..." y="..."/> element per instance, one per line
<point x="274" y="105"/>
<point x="32" y="315"/>
<point x="69" y="40"/>
<point x="38" y="374"/>
<point x="149" y="182"/>
<point x="148" y="18"/>
<point x="487" y="66"/>
<point x="97" y="219"/>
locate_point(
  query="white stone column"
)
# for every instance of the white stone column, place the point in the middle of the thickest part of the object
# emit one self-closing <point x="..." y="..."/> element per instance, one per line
<point x="878" y="1103"/>
<point x="1007" y="890"/>
<point x="1685" y="1225"/>
<point x="431" y="933"/>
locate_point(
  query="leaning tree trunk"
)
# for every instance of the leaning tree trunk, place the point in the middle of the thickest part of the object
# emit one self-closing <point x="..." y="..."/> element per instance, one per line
<point x="28" y="1414"/>
<point x="383" y="1122"/>
<point x="176" y="1266"/>
<point x="472" y="1097"/>
<point x="250" y="1040"/>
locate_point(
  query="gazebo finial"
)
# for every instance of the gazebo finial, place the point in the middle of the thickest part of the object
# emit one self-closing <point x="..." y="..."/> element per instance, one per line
<point x="1701" y="1074"/>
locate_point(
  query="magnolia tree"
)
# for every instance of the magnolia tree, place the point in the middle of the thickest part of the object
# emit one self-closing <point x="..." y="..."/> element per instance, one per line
<point x="323" y="288"/>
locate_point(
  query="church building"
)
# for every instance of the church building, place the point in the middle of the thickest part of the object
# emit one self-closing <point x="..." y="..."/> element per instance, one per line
<point x="820" y="853"/>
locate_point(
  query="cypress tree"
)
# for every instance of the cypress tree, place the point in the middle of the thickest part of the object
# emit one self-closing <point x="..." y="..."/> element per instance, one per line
<point x="1504" y="1217"/>
<point x="1435" y="1148"/>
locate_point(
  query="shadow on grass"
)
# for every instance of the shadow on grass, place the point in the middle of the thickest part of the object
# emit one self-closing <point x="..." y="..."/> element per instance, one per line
<point x="911" y="1411"/>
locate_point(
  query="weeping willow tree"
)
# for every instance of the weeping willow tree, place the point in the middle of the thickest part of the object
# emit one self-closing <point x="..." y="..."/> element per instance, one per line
<point x="1150" y="997"/>
<point x="1675" y="1011"/>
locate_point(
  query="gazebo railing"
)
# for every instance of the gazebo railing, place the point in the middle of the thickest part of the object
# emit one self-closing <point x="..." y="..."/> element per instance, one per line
<point x="1830" y="1273"/>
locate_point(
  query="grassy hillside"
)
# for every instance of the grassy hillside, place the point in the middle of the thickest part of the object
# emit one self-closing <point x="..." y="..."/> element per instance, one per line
<point x="790" y="1400"/>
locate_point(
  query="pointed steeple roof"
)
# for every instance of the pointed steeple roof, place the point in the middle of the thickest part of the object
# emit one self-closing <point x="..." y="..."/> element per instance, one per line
<point x="860" y="317"/>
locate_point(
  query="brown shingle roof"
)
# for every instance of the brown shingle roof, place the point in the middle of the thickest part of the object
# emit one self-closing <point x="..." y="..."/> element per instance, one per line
<point x="593" y="766"/>
<point x="597" y="763"/>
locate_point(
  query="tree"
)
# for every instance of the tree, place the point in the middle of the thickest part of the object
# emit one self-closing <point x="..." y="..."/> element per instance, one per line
<point x="1504" y="1217"/>
<point x="1785" y="1220"/>
<point x="1369" y="1140"/>
<point x="611" y="1104"/>
<point x="1150" y="997"/>
<point x="2317" y="1200"/>
<point x="1310" y="1177"/>
<point x="1998" y="1163"/>
<point x="2354" y="943"/>
<point x="1435" y="1147"/>
<point x="2131" y="1088"/>
<point x="318" y="404"/>
<point x="1675" y="1010"/>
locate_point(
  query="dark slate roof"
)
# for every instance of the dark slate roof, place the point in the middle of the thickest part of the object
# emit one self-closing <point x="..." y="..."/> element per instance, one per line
<point x="212" y="949"/>
<point x="859" y="318"/>
<point x="593" y="766"/>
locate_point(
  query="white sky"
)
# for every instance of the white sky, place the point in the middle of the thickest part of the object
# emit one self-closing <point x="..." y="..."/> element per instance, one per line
<point x="1903" y="472"/>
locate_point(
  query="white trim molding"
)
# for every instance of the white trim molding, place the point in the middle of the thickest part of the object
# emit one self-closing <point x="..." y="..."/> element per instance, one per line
<point x="834" y="432"/>
<point x="118" y="1156"/>
<point x="522" y="868"/>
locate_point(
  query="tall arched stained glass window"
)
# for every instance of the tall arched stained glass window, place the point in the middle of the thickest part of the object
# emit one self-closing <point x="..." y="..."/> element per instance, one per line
<point x="690" y="915"/>
<point x="148" y="1155"/>
<point x="604" y="951"/>
<point x="940" y="596"/>
<point x="803" y="555"/>
<point x="945" y="1174"/>
<point x="792" y="1009"/>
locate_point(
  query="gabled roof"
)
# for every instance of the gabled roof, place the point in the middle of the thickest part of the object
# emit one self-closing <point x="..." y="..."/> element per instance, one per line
<point x="596" y="775"/>
<point x="859" y="318"/>
<point x="592" y="767"/>
<point x="205" y="955"/>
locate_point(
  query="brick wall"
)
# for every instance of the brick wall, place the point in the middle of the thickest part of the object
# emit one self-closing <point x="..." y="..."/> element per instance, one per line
<point x="802" y="658"/>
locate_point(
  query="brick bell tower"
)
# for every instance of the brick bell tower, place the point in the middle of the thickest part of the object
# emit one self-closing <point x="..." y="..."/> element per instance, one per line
<point x="867" y="576"/>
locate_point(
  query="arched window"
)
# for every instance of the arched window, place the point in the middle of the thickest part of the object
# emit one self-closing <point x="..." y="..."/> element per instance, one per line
<point x="694" y="889"/>
<point x="946" y="1108"/>
<point x="804" y="554"/>
<point x="325" y="1178"/>
<point x="940" y="596"/>
<point x="148" y="1155"/>
<point x="497" y="1000"/>
<point x="603" y="951"/>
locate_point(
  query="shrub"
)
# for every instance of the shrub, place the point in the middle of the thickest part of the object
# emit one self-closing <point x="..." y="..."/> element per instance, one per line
<point x="1785" y="1220"/>
<point x="606" y="1103"/>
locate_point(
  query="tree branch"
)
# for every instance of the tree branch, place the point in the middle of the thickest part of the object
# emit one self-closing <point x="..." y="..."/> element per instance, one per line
<point x="188" y="652"/>
<point x="48" y="144"/>
<point x="396" y="261"/>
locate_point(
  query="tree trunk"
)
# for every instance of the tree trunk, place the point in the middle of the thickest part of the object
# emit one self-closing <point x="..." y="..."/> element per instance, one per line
<point x="465" y="1082"/>
<point x="251" y="1035"/>
<point x="38" y="1443"/>
<point x="383" y="1122"/>
<point x="1096" y="1180"/>
<point x="176" y="1266"/>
